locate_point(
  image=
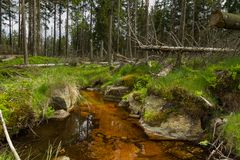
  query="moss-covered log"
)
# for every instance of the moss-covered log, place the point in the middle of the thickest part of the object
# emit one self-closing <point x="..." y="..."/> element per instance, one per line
<point x="225" y="20"/>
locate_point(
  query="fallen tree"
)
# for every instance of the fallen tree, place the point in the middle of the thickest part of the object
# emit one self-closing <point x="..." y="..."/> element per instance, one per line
<point x="184" y="49"/>
<point x="225" y="20"/>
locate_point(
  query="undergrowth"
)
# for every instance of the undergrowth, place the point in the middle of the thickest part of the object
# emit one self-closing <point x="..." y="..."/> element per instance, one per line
<point x="232" y="132"/>
<point x="6" y="155"/>
<point x="24" y="93"/>
<point x="28" y="89"/>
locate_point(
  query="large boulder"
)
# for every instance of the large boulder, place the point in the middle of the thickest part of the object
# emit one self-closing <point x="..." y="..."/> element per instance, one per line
<point x="176" y="127"/>
<point x="64" y="97"/>
<point x="161" y="120"/>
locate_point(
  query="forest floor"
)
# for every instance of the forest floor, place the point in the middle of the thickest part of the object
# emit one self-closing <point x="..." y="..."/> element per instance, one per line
<point x="24" y="92"/>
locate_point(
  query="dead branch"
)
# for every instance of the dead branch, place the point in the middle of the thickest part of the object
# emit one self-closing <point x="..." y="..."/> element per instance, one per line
<point x="123" y="58"/>
<point x="17" y="157"/>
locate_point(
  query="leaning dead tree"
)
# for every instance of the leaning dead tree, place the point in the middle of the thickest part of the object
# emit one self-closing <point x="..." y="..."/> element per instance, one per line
<point x="184" y="49"/>
<point x="225" y="20"/>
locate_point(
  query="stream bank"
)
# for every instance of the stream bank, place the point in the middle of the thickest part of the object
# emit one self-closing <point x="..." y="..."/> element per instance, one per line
<point x="112" y="134"/>
<point x="183" y="96"/>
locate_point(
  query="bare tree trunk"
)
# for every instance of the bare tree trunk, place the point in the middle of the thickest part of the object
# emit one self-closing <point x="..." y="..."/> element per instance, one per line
<point x="60" y="29"/>
<point x="30" y="26"/>
<point x="135" y="27"/>
<point x="0" y="22"/>
<point x="101" y="51"/>
<point x="78" y="39"/>
<point x="91" y="50"/>
<point x="182" y="30"/>
<point x="34" y="29"/>
<point x="118" y="25"/>
<point x="183" y="21"/>
<point x="10" y="23"/>
<point x="67" y="26"/>
<point x="147" y="25"/>
<point x="24" y="33"/>
<point x="45" y="33"/>
<point x="129" y="31"/>
<point x="110" y="34"/>
<point x="38" y="26"/>
<point x="91" y="29"/>
<point x="19" y="27"/>
<point x="195" y="19"/>
<point x="173" y="15"/>
<point x="54" y="29"/>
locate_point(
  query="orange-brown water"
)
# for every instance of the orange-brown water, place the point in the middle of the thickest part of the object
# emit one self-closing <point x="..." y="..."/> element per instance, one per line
<point x="114" y="136"/>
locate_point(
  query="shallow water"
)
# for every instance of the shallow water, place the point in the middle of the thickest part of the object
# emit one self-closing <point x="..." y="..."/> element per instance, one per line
<point x="109" y="135"/>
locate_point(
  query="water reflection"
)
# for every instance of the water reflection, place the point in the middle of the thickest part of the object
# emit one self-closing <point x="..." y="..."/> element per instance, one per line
<point x="101" y="130"/>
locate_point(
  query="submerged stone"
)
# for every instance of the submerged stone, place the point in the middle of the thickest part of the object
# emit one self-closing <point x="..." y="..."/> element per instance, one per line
<point x="62" y="158"/>
<point x="60" y="114"/>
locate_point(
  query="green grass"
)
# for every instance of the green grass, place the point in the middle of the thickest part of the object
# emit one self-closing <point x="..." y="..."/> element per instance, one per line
<point x="24" y="93"/>
<point x="232" y="132"/>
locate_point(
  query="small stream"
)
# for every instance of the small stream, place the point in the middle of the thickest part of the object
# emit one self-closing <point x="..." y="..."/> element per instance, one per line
<point x="99" y="130"/>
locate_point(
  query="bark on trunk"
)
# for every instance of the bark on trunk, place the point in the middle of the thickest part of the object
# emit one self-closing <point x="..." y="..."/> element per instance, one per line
<point x="54" y="29"/>
<point x="110" y="34"/>
<point x="60" y="30"/>
<point x="19" y="28"/>
<point x="34" y="29"/>
<point x="118" y="25"/>
<point x="147" y="25"/>
<point x="0" y="21"/>
<point x="38" y="27"/>
<point x="225" y="20"/>
<point x="129" y="31"/>
<point x="67" y="23"/>
<point x="10" y="23"/>
<point x="24" y="33"/>
<point x="135" y="27"/>
<point x="30" y="26"/>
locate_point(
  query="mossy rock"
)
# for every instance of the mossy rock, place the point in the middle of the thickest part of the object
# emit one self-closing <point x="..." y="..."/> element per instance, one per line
<point x="128" y="80"/>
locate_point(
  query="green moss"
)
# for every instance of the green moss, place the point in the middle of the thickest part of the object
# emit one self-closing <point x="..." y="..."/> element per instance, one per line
<point x="155" y="118"/>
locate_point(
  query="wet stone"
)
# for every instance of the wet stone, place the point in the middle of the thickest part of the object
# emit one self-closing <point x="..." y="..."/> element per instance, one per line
<point x="60" y="115"/>
<point x="62" y="158"/>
